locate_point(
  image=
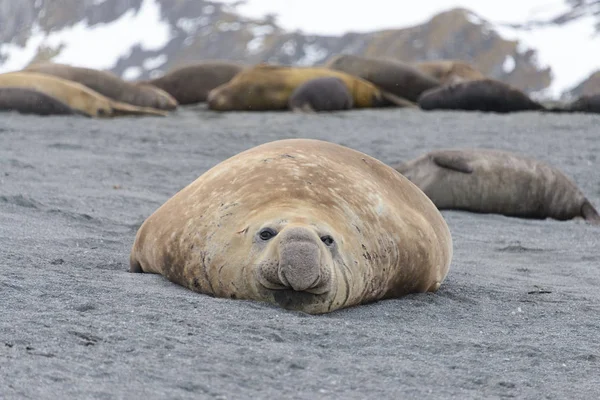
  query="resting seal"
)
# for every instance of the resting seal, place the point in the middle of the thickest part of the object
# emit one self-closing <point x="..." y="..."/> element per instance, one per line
<point x="449" y="71"/>
<point x="78" y="97"/>
<point x="27" y="101"/>
<point x="306" y="224"/>
<point x="268" y="87"/>
<point x="321" y="94"/>
<point x="192" y="83"/>
<point x="109" y="85"/>
<point x="486" y="95"/>
<point x="499" y="182"/>
<point x="392" y="76"/>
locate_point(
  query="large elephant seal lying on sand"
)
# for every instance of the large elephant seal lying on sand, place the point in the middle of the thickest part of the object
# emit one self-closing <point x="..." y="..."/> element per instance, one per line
<point x="268" y="87"/>
<point x="449" y="71"/>
<point x="27" y="101"/>
<point x="77" y="96"/>
<point x="321" y="94"/>
<point x="192" y="83"/>
<point x="306" y="224"/>
<point x="500" y="182"/>
<point x="109" y="85"/>
<point x="479" y="95"/>
<point x="392" y="76"/>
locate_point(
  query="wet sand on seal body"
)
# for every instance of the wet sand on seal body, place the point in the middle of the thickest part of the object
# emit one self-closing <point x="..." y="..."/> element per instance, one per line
<point x="515" y="317"/>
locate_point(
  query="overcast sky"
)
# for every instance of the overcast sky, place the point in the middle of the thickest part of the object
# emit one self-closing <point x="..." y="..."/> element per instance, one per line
<point x="339" y="16"/>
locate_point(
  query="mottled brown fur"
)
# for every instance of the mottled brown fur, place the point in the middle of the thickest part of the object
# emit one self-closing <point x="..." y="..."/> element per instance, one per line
<point x="387" y="237"/>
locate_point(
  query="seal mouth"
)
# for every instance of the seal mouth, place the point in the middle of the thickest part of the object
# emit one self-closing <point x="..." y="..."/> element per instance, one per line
<point x="278" y="287"/>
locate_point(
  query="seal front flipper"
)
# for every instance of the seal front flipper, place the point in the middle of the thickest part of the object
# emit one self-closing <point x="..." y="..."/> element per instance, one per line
<point x="453" y="162"/>
<point x="589" y="213"/>
<point x="134" y="264"/>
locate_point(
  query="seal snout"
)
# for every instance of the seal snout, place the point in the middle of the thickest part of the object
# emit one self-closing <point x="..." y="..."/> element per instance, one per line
<point x="301" y="263"/>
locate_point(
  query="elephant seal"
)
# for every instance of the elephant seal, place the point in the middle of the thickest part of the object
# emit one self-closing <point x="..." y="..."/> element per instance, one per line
<point x="109" y="85"/>
<point x="392" y="76"/>
<point x="79" y="97"/>
<point x="306" y="224"/>
<point x="268" y="87"/>
<point x="486" y="95"/>
<point x="321" y="94"/>
<point x="27" y="101"/>
<point x="192" y="83"/>
<point x="498" y="182"/>
<point x="449" y="71"/>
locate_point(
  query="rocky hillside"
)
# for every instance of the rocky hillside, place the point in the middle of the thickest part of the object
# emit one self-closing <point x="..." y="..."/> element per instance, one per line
<point x="589" y="86"/>
<point x="162" y="34"/>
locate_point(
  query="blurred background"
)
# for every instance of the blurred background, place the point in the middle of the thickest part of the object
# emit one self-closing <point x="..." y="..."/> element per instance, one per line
<point x="548" y="48"/>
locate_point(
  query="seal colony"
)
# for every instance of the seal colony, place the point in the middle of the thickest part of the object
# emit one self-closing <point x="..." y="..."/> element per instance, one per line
<point x="373" y="82"/>
<point x="330" y="227"/>
<point x="268" y="87"/>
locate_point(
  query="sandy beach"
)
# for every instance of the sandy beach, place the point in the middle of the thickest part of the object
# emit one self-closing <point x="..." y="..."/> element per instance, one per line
<point x="517" y="317"/>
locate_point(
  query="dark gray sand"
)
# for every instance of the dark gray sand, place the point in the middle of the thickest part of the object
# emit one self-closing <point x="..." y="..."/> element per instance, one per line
<point x="518" y="316"/>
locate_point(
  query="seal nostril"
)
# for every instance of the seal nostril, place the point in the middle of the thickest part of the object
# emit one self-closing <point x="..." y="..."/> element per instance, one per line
<point x="328" y="240"/>
<point x="267" y="234"/>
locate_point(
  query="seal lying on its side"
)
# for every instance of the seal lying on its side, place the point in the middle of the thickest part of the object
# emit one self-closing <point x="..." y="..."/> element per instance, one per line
<point x="499" y="182"/>
<point x="321" y="94"/>
<point x="27" y="101"/>
<point x="393" y="76"/>
<point x="478" y="95"/>
<point x="192" y="83"/>
<point x="109" y="85"/>
<point x="77" y="96"/>
<point x="306" y="224"/>
<point x="449" y="71"/>
<point x="267" y="87"/>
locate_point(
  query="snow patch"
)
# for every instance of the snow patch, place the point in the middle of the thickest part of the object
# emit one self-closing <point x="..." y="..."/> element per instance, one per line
<point x="190" y="25"/>
<point x="99" y="46"/>
<point x="475" y="19"/>
<point x="229" y="26"/>
<point x="258" y="32"/>
<point x="570" y="50"/>
<point x="313" y="53"/>
<point x="132" y="73"/>
<point x="157" y="73"/>
<point x="154" y="62"/>
<point x="508" y="65"/>
<point x="289" y="48"/>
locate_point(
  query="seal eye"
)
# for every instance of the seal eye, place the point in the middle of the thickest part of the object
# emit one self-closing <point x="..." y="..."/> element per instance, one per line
<point x="328" y="240"/>
<point x="267" y="234"/>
